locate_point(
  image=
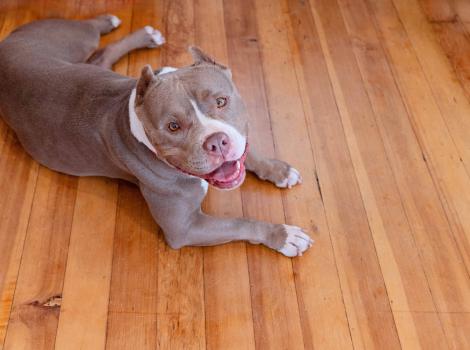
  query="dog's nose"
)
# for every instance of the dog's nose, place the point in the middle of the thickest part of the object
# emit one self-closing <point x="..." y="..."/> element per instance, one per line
<point x="217" y="144"/>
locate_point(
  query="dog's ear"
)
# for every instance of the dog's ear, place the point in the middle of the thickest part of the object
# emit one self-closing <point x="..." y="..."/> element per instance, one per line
<point x="145" y="80"/>
<point x="200" y="57"/>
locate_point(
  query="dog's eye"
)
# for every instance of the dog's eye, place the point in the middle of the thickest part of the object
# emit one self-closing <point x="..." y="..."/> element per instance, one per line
<point x="221" y="102"/>
<point x="173" y="126"/>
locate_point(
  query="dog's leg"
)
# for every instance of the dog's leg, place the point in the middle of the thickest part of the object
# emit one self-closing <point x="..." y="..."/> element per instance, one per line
<point x="184" y="224"/>
<point x="105" y="23"/>
<point x="147" y="37"/>
<point x="276" y="171"/>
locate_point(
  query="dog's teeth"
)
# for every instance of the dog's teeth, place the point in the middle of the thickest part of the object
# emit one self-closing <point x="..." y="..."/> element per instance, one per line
<point x="238" y="165"/>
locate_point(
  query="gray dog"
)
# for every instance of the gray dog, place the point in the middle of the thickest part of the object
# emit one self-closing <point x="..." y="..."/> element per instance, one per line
<point x="172" y="132"/>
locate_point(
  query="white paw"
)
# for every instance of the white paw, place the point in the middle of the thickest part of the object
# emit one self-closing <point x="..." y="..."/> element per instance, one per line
<point x="297" y="241"/>
<point x="292" y="179"/>
<point x="115" y="21"/>
<point x="157" y="37"/>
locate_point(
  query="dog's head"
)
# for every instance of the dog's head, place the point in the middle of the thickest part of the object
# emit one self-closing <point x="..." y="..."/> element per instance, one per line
<point x="196" y="120"/>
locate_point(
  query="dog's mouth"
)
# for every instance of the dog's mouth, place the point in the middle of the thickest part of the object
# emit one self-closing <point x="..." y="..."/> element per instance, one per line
<point x="229" y="175"/>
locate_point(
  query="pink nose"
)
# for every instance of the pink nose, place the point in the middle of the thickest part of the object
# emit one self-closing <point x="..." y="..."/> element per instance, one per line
<point x="217" y="144"/>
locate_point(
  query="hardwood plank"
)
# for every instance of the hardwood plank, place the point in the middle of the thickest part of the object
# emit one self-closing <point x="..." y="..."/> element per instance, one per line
<point x="439" y="11"/>
<point x="131" y="330"/>
<point x="451" y="124"/>
<point x="229" y="322"/>
<point x="447" y="171"/>
<point x="58" y="9"/>
<point x="404" y="277"/>
<point x="321" y="308"/>
<point x="8" y="6"/>
<point x="421" y="203"/>
<point x="83" y="314"/>
<point x="181" y="316"/>
<point x="18" y="174"/>
<point x="452" y="36"/>
<point x="462" y="7"/>
<point x="447" y="92"/>
<point x="273" y="295"/>
<point x="438" y="253"/>
<point x="430" y="327"/>
<point x="457" y="326"/>
<point x="132" y="318"/>
<point x="423" y="113"/>
<point x="35" y="312"/>
<point x="368" y="309"/>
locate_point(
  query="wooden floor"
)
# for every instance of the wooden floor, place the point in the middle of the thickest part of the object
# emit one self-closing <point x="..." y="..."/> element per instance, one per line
<point x="369" y="99"/>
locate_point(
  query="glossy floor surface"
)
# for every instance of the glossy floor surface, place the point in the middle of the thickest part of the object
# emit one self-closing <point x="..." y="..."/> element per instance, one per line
<point x="369" y="99"/>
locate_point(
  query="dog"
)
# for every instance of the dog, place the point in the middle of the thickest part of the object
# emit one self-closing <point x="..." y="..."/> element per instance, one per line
<point x="172" y="132"/>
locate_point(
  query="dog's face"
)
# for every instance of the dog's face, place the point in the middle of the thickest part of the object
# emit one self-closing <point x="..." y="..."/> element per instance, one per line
<point x="196" y="120"/>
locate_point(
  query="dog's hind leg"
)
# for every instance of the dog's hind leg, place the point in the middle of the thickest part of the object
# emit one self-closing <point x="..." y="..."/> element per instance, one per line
<point x="73" y="41"/>
<point x="147" y="37"/>
<point x="105" y="23"/>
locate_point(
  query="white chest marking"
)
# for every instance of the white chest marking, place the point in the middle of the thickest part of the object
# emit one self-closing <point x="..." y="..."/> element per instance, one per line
<point x="204" y="185"/>
<point x="165" y="70"/>
<point x="137" y="129"/>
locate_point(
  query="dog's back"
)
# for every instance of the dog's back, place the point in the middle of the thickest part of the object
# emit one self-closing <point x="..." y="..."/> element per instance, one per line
<point x="49" y="96"/>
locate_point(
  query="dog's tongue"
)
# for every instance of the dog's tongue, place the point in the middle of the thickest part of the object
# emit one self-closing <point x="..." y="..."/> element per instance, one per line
<point x="227" y="172"/>
<point x="229" y="175"/>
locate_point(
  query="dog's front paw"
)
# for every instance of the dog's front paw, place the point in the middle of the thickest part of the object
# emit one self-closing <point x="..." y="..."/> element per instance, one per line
<point x="278" y="172"/>
<point x="297" y="241"/>
<point x="288" y="240"/>
<point x="292" y="178"/>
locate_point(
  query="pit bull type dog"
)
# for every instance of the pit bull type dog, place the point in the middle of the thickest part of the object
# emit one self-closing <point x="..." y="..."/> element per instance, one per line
<point x="171" y="132"/>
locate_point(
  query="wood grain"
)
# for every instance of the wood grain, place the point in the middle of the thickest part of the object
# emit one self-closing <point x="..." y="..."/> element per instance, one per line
<point x="17" y="184"/>
<point x="368" y="309"/>
<point x="447" y="172"/>
<point x="132" y="318"/>
<point x="437" y="251"/>
<point x="452" y="109"/>
<point x="35" y="313"/>
<point x="368" y="99"/>
<point x="274" y="300"/>
<point x="425" y="114"/>
<point x="452" y="36"/>
<point x="303" y="205"/>
<point x="18" y="175"/>
<point x="388" y="223"/>
<point x="229" y="323"/>
<point x="84" y="306"/>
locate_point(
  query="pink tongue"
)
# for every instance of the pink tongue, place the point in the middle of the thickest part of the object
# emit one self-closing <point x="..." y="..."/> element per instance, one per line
<point x="225" y="171"/>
